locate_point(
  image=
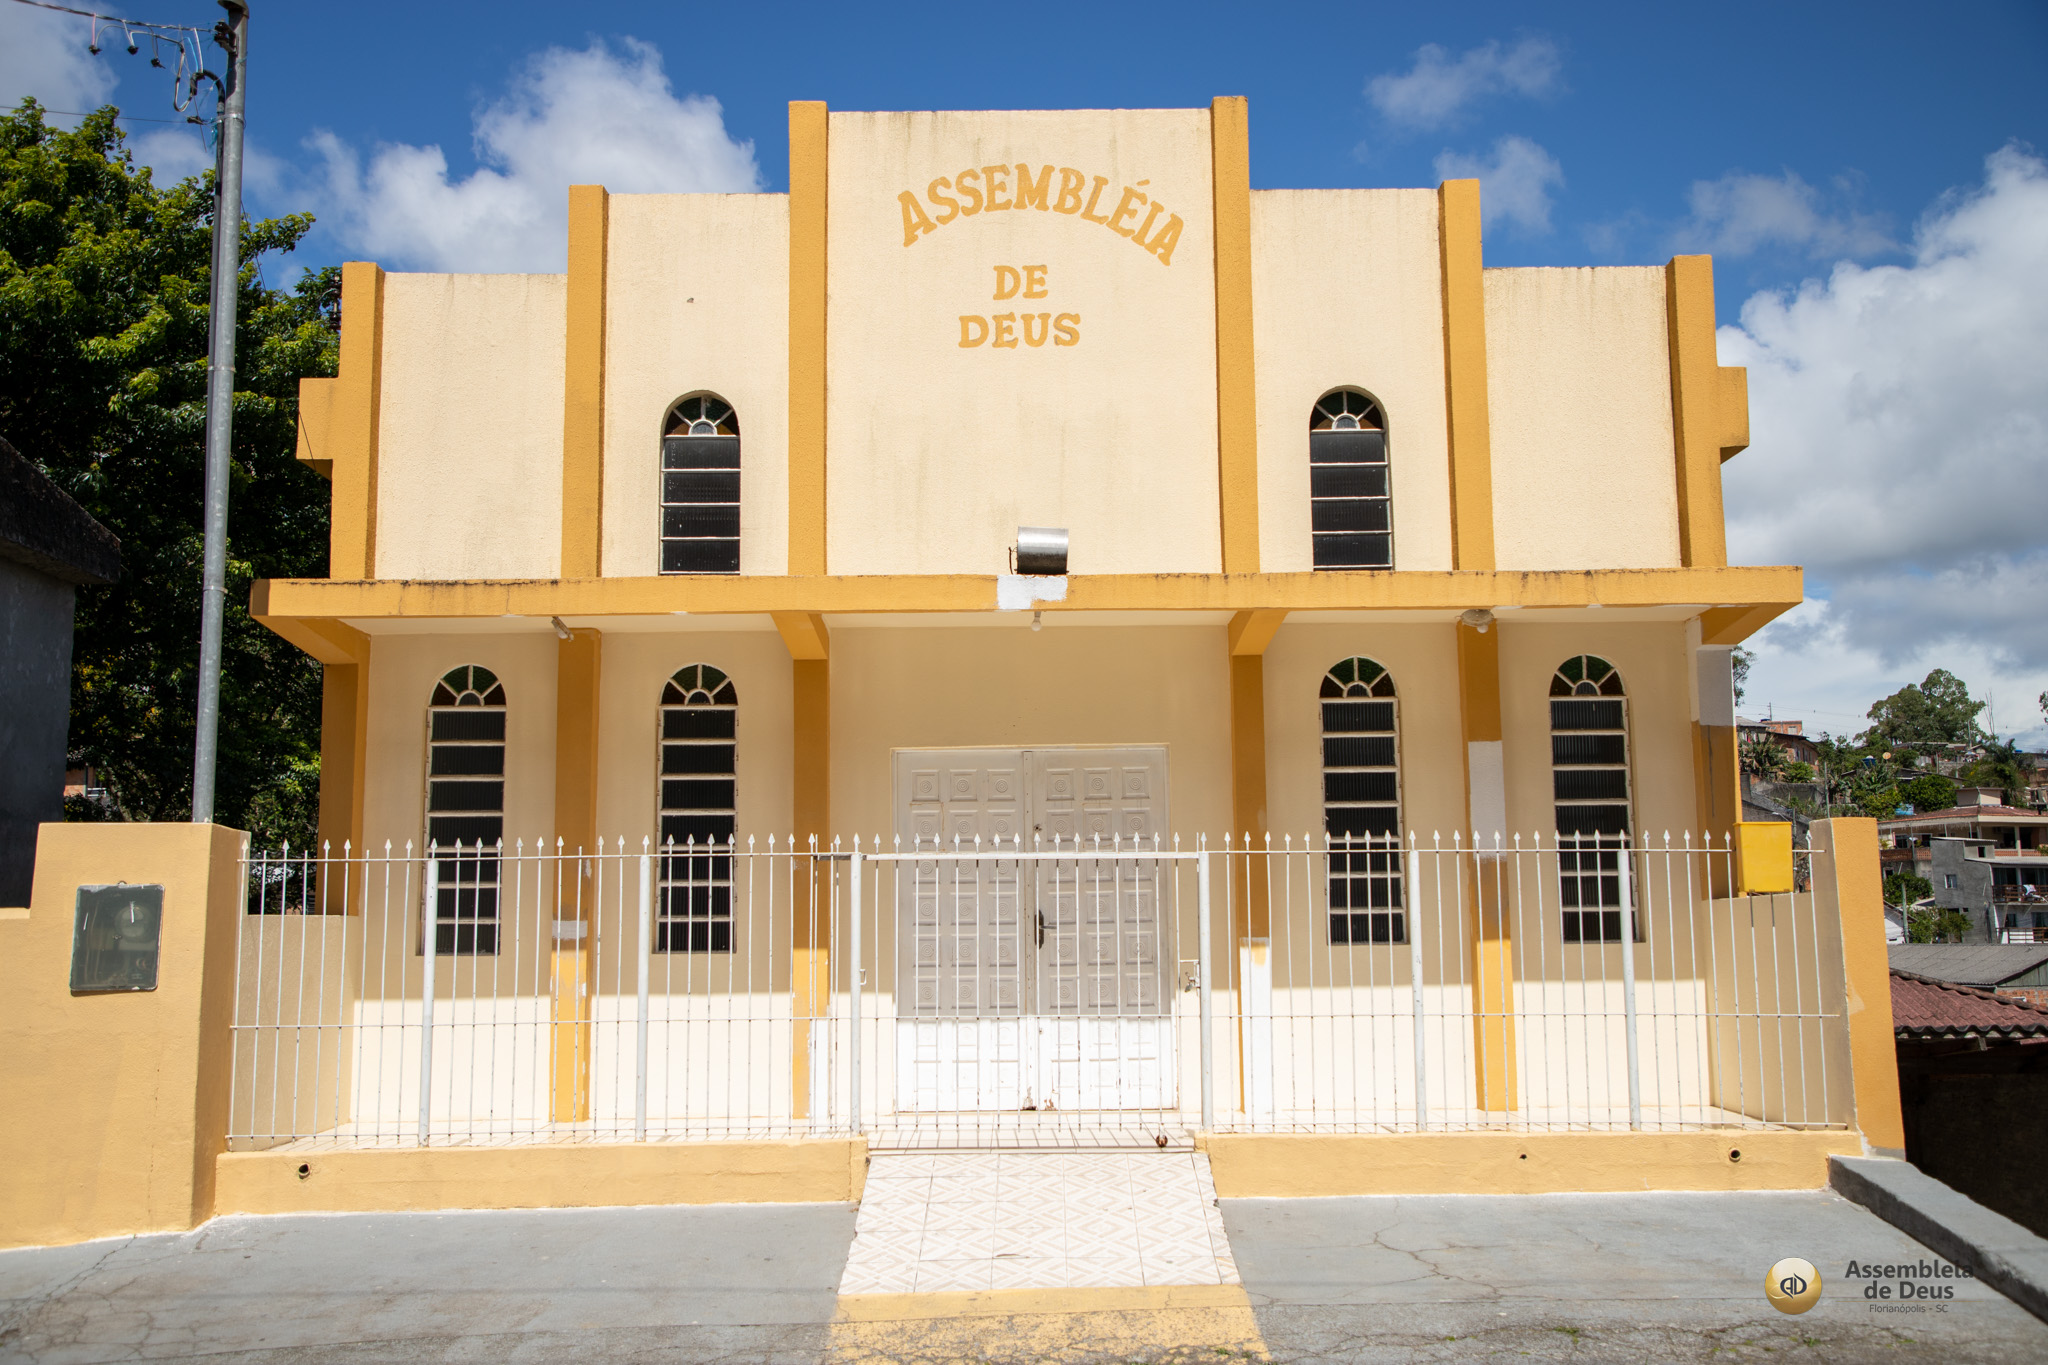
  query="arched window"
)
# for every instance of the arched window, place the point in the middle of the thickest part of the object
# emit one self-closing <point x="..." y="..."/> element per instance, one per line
<point x="1350" y="505"/>
<point x="1589" y="786"/>
<point x="700" y="487"/>
<point x="1362" y="803"/>
<point x="699" y="709"/>
<point x="466" y="806"/>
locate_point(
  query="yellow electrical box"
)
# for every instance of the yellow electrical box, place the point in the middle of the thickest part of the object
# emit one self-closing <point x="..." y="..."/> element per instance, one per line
<point x="1763" y="856"/>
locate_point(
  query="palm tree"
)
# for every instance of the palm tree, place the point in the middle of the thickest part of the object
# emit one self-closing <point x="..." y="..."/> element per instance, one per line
<point x="1763" y="759"/>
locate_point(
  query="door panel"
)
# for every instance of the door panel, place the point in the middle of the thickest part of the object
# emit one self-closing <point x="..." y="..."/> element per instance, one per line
<point x="1036" y="983"/>
<point x="1104" y="956"/>
<point x="963" y="952"/>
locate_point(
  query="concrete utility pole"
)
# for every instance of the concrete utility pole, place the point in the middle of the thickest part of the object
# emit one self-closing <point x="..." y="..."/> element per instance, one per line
<point x="220" y="407"/>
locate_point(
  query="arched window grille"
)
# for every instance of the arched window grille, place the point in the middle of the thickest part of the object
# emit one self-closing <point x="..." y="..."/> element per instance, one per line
<point x="1350" y="502"/>
<point x="699" y="712"/>
<point x="700" y="487"/>
<point x="1590" y="790"/>
<point x="466" y="806"/>
<point x="1362" y="803"/>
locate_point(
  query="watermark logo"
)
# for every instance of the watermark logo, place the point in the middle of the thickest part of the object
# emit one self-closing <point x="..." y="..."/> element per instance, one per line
<point x="1792" y="1285"/>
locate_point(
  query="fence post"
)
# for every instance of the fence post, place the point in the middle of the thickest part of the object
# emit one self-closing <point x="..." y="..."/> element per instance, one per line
<point x="1206" y="979"/>
<point x="429" y="951"/>
<point x="1415" y="980"/>
<point x="1628" y="985"/>
<point x="853" y="989"/>
<point x="646" y="969"/>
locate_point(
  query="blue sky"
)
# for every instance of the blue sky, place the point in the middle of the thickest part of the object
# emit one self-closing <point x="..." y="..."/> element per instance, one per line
<point x="1886" y="166"/>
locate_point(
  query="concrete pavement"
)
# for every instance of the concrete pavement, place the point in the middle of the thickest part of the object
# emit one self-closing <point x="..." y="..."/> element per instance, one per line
<point x="1595" y="1277"/>
<point x="1642" y="1277"/>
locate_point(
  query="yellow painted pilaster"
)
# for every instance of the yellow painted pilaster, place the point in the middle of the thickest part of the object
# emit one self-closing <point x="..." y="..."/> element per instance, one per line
<point x="316" y="425"/>
<point x="1248" y="785"/>
<point x="1491" y="962"/>
<point x="1462" y="257"/>
<point x="1846" y="853"/>
<point x="1237" y="443"/>
<point x="810" y="974"/>
<point x="344" y="655"/>
<point x="809" y="141"/>
<point x="352" y="419"/>
<point x="583" y="385"/>
<point x="1696" y="409"/>
<point x="578" y="661"/>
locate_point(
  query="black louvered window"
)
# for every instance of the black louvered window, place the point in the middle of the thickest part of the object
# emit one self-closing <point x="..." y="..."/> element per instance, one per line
<point x="699" y="811"/>
<point x="1590" y="794"/>
<point x="1351" y="506"/>
<point x="466" y="807"/>
<point x="1362" y="803"/>
<point x="700" y="488"/>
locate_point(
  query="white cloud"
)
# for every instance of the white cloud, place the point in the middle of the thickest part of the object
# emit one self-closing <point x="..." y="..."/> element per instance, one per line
<point x="1514" y="182"/>
<point x="173" y="153"/>
<point x="1739" y="213"/>
<point x="1439" y="87"/>
<point x="1899" y="451"/>
<point x="43" y="53"/>
<point x="598" y="116"/>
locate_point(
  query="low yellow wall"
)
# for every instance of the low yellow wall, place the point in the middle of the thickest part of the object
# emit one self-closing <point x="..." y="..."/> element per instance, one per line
<point x="115" y="1105"/>
<point x="568" y="1175"/>
<point x="1280" y="1166"/>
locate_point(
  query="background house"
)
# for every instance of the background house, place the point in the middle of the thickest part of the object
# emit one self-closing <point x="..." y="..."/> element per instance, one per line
<point x="48" y="547"/>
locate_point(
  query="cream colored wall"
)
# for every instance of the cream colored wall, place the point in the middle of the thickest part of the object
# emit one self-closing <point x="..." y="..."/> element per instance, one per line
<point x="1423" y="660"/>
<point x="403" y="671"/>
<point x="469" y="432"/>
<point x="1002" y="687"/>
<point x="634" y="670"/>
<point x="1652" y="660"/>
<point x="1579" y="402"/>
<point x="697" y="298"/>
<point x="1347" y="291"/>
<point x="937" y="453"/>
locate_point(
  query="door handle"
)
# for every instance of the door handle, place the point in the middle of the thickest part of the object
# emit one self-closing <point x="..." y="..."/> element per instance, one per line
<point x="1040" y="915"/>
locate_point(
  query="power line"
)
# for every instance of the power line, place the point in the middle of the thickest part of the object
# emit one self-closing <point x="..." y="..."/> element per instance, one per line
<point x="125" y="118"/>
<point x="184" y="39"/>
<point x="113" y="18"/>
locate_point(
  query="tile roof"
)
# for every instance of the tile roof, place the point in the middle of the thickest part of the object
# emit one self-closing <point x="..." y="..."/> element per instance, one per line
<point x="1970" y="964"/>
<point x="1924" y="1009"/>
<point x="1954" y="813"/>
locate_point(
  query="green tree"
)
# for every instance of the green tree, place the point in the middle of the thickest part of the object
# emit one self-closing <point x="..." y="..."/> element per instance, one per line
<point x="103" y="341"/>
<point x="1928" y="792"/>
<point x="1904" y="888"/>
<point x="1763" y="758"/>
<point x="1936" y="716"/>
<point x="1740" y="659"/>
<point x="1999" y="766"/>
<point x="1797" y="771"/>
<point x="1933" y="924"/>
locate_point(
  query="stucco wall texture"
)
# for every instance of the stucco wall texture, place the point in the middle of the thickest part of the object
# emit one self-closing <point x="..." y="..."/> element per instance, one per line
<point x="470" y="429"/>
<point x="1579" y="400"/>
<point x="938" y="451"/>
<point x="697" y="300"/>
<point x="1366" y="315"/>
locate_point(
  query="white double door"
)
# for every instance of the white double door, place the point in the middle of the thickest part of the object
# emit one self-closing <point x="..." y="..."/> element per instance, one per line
<point x="1033" y="982"/>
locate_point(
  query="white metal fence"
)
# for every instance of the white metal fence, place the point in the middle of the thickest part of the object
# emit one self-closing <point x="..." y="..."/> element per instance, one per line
<point x="977" y="995"/>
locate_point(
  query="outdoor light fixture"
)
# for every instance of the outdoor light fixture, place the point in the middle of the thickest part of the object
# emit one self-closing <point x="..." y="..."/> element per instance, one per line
<point x="1041" y="550"/>
<point x="1479" y="618"/>
<point x="115" y="938"/>
<point x="561" y="631"/>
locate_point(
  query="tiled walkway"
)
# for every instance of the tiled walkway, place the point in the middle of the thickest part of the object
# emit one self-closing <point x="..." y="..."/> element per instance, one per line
<point x="1037" y="1220"/>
